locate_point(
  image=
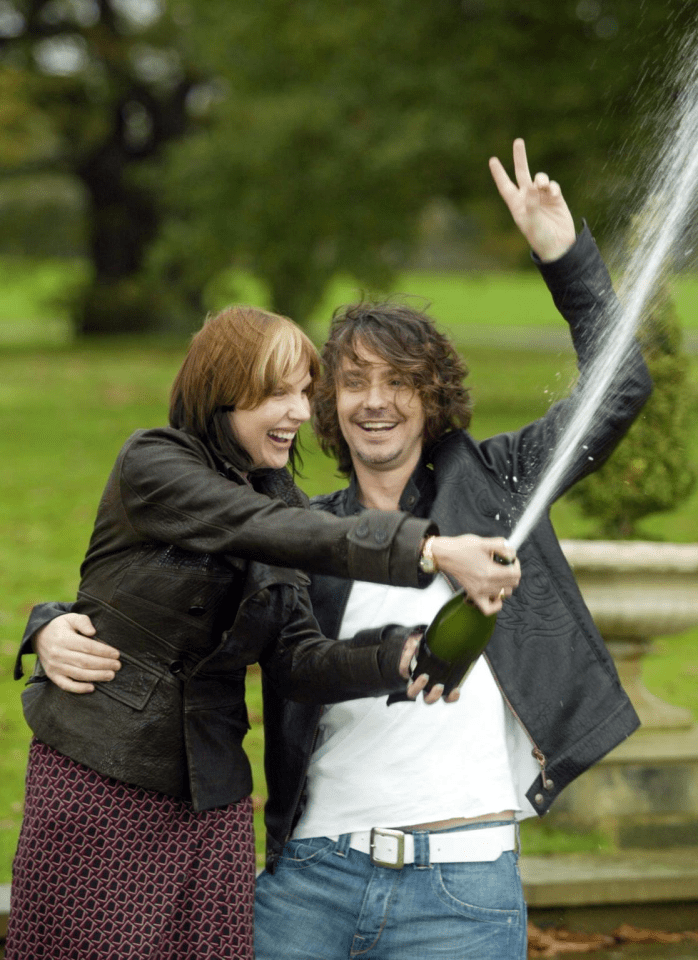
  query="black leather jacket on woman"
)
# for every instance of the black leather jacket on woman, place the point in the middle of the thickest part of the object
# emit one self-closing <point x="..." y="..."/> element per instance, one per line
<point x="546" y="654"/>
<point x="175" y="578"/>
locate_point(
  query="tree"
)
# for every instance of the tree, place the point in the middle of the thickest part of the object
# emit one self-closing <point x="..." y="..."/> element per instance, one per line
<point x="321" y="152"/>
<point x="107" y="80"/>
<point x="305" y="138"/>
<point x="335" y="125"/>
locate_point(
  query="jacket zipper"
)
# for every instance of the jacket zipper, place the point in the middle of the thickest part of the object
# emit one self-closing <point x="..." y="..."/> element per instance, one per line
<point x="537" y="753"/>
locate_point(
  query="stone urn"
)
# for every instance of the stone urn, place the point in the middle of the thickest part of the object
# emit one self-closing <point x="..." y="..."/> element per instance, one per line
<point x="636" y="591"/>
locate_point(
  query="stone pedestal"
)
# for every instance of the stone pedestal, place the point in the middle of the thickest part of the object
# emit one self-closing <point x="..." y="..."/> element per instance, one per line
<point x="636" y="591"/>
<point x="644" y="794"/>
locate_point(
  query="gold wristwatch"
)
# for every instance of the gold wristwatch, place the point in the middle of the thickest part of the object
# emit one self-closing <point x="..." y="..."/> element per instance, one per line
<point x="427" y="563"/>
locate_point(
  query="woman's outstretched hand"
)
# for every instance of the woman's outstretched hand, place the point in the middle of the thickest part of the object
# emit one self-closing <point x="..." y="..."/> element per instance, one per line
<point x="470" y="560"/>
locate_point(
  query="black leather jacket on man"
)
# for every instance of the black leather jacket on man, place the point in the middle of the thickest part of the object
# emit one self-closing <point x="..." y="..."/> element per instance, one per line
<point x="175" y="578"/>
<point x="546" y="654"/>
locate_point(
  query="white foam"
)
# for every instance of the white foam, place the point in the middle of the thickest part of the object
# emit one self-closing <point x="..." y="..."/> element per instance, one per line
<point x="671" y="195"/>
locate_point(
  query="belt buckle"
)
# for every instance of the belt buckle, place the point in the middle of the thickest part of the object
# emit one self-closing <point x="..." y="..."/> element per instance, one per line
<point x="398" y="837"/>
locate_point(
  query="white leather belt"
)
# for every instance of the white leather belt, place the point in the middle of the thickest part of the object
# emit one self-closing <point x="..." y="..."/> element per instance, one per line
<point x="395" y="848"/>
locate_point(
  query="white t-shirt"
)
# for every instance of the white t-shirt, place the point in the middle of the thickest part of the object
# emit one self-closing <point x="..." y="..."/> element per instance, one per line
<point x="392" y="766"/>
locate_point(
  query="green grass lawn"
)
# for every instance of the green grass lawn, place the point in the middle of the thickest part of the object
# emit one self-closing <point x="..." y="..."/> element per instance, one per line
<point x="64" y="413"/>
<point x="35" y="297"/>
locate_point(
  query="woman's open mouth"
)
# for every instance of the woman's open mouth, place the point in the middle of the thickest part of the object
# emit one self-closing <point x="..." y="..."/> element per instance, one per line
<point x="284" y="437"/>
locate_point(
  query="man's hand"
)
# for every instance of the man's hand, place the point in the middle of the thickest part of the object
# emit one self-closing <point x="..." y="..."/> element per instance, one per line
<point x="537" y="206"/>
<point x="415" y="687"/>
<point x="71" y="658"/>
<point x="470" y="560"/>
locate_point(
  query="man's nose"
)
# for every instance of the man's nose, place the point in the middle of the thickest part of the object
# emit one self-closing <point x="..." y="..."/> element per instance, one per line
<point x="376" y="396"/>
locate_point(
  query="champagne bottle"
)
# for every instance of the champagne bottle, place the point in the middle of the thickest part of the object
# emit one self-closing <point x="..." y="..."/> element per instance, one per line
<point x="453" y="641"/>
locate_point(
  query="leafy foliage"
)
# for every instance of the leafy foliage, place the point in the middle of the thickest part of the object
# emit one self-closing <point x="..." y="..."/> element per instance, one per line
<point x="305" y="139"/>
<point x="332" y="128"/>
<point x="651" y="470"/>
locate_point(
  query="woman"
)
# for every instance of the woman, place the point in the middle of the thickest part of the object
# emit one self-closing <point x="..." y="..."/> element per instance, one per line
<point x="137" y="834"/>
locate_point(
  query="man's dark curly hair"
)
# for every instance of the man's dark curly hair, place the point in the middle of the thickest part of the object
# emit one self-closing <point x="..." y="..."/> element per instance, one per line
<point x="406" y="339"/>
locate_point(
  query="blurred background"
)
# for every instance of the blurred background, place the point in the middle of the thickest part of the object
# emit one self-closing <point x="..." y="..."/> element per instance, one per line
<point x="161" y="158"/>
<point x="156" y="148"/>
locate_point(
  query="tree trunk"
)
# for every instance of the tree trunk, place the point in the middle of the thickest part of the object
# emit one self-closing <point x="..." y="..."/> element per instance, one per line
<point x="124" y="219"/>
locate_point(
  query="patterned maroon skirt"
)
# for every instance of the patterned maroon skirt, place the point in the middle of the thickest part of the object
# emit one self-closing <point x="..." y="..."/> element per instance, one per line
<point x="107" y="871"/>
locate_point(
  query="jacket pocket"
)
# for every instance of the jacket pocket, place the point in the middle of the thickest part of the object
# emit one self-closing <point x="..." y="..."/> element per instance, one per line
<point x="133" y="685"/>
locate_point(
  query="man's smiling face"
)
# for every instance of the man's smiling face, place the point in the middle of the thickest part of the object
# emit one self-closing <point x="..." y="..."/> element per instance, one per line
<point x="380" y="413"/>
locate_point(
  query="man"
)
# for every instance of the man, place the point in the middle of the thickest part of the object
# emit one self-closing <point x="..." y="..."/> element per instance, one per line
<point x="364" y="787"/>
<point x="391" y="828"/>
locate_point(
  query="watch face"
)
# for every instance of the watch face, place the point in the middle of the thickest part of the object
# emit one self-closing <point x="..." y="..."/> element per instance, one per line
<point x="426" y="563"/>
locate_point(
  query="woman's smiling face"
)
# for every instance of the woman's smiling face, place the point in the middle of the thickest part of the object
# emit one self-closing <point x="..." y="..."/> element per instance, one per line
<point x="267" y="432"/>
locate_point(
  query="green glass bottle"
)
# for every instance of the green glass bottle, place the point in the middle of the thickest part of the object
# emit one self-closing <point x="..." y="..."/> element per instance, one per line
<point x="453" y="641"/>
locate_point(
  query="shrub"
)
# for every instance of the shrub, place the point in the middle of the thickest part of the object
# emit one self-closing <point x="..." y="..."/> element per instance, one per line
<point x="650" y="471"/>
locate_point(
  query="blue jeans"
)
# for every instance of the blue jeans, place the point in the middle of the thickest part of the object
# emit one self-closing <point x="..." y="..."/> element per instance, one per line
<point x="328" y="902"/>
